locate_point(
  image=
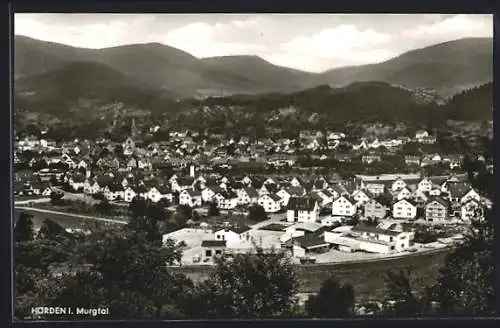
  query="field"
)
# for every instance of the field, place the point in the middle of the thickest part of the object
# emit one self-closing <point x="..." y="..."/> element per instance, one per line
<point x="64" y="220"/>
<point x="367" y="278"/>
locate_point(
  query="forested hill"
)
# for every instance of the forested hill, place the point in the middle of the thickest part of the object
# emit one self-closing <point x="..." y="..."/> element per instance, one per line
<point x="472" y="105"/>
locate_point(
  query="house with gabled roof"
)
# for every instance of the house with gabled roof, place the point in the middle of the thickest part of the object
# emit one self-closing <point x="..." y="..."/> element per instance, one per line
<point x="233" y="235"/>
<point x="141" y="191"/>
<point x="456" y="191"/>
<point x="270" y="202"/>
<point x="208" y="193"/>
<point x="362" y="196"/>
<point x="425" y="185"/>
<point x="404" y="209"/>
<point x="436" y="210"/>
<point x="302" y="209"/>
<point x="113" y="191"/>
<point x="165" y="192"/>
<point x="403" y="193"/>
<point x="129" y="194"/>
<point x="77" y="182"/>
<point x="182" y="183"/>
<point x="309" y="243"/>
<point x="190" y="197"/>
<point x="226" y="200"/>
<point x="472" y="210"/>
<point x="374" y="209"/>
<point x="419" y="197"/>
<point x="263" y="190"/>
<point x="344" y="206"/>
<point x="324" y="197"/>
<point x="247" y="195"/>
<point x="470" y="194"/>
<point x="338" y="190"/>
<point x="296" y="182"/>
<point x="398" y="184"/>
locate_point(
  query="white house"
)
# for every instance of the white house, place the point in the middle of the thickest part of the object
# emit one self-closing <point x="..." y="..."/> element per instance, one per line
<point x="404" y="209"/>
<point x="403" y="193"/>
<point x="165" y="192"/>
<point x="129" y="194"/>
<point x="226" y="200"/>
<point x="344" y="206"/>
<point x="398" y="184"/>
<point x="302" y="209"/>
<point x="154" y="194"/>
<point x="471" y="194"/>
<point x="113" y="192"/>
<point x="233" y="235"/>
<point x="295" y="182"/>
<point x="270" y="203"/>
<point x="248" y="195"/>
<point x="376" y="240"/>
<point x="190" y="197"/>
<point x="472" y="210"/>
<point x="263" y="190"/>
<point x="208" y="194"/>
<point x="369" y="239"/>
<point x="419" y="135"/>
<point x="361" y="196"/>
<point x="425" y="185"/>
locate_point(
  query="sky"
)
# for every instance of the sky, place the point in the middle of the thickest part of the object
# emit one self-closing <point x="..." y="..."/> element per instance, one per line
<point x="309" y="42"/>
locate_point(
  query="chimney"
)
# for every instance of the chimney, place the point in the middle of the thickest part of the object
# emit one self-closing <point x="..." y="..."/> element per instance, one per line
<point x="192" y="171"/>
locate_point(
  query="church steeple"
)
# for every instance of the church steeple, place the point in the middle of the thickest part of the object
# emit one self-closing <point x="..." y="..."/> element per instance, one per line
<point x="133" y="129"/>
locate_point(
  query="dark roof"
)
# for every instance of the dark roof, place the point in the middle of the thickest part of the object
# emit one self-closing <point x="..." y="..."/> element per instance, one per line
<point x="193" y="193"/>
<point x="213" y="243"/>
<point x="275" y="197"/>
<point x="271" y="187"/>
<point x="164" y="189"/>
<point x="407" y="200"/>
<point x="216" y="189"/>
<point x="458" y="189"/>
<point x="115" y="187"/>
<point x="296" y="191"/>
<point x="310" y="240"/>
<point x="238" y="229"/>
<point x="365" y="228"/>
<point x="383" y="200"/>
<point x="228" y="194"/>
<point x="301" y="204"/>
<point x="439" y="200"/>
<point x="252" y="192"/>
<point x="185" y="181"/>
<point x="140" y="189"/>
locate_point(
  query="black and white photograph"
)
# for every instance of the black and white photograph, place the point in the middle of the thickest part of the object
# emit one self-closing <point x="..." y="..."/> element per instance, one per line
<point x="252" y="166"/>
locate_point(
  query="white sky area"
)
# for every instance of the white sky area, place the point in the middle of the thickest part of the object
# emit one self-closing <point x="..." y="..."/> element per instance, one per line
<point x="309" y="42"/>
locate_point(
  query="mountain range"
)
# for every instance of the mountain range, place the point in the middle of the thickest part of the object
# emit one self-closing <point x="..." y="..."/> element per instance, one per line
<point x="45" y="69"/>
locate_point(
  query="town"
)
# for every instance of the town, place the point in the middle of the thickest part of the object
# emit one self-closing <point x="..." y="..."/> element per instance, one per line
<point x="239" y="194"/>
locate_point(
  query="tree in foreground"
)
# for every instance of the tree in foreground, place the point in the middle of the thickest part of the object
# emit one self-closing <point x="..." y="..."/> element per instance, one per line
<point x="257" y="284"/>
<point x="334" y="300"/>
<point x="123" y="270"/>
<point x="23" y="230"/>
<point x="256" y="213"/>
<point x="213" y="210"/>
<point x="401" y="301"/>
<point x="467" y="281"/>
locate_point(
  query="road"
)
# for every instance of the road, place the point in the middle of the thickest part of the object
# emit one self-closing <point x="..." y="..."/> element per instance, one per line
<point x="33" y="201"/>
